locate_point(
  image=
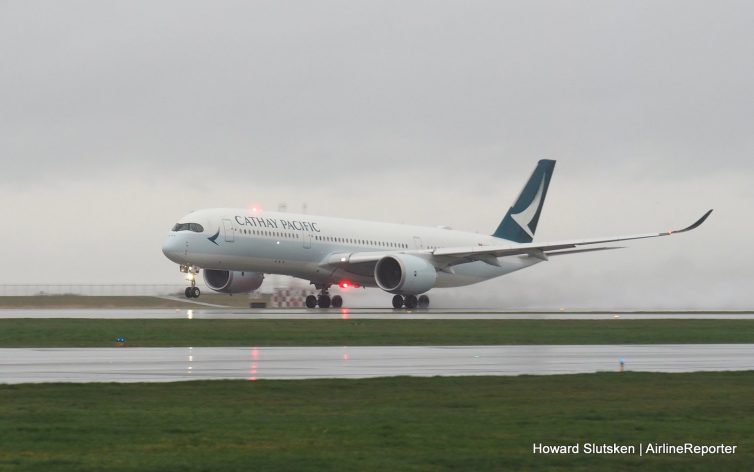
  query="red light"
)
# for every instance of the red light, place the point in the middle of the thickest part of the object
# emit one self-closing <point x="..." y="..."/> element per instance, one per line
<point x="348" y="284"/>
<point x="253" y="371"/>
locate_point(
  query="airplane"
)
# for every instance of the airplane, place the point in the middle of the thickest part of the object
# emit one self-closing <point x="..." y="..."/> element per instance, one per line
<point x="235" y="248"/>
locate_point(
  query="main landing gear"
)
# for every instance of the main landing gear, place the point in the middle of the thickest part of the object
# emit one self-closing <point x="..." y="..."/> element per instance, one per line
<point x="191" y="271"/>
<point x="410" y="302"/>
<point x="324" y="300"/>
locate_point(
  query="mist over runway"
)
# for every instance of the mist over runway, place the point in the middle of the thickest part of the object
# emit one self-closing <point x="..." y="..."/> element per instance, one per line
<point x="356" y="314"/>
<point x="253" y="363"/>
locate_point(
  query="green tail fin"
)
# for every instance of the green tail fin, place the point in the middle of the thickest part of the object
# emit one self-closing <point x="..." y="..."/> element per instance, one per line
<point x="520" y="223"/>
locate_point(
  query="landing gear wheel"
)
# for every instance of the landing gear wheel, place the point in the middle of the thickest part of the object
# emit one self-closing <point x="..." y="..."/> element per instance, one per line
<point x="397" y="302"/>
<point x="411" y="302"/>
<point x="195" y="292"/>
<point x="188" y="292"/>
<point x="337" y="301"/>
<point x="311" y="301"/>
<point x="423" y="301"/>
<point x="324" y="301"/>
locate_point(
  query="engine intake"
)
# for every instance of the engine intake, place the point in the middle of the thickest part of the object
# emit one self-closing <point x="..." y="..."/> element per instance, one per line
<point x="404" y="274"/>
<point x="232" y="282"/>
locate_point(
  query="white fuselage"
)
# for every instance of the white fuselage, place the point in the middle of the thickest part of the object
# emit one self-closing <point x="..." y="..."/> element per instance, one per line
<point x="296" y="245"/>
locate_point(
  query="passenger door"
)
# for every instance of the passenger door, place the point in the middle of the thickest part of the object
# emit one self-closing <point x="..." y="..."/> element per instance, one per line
<point x="418" y="242"/>
<point x="228" y="231"/>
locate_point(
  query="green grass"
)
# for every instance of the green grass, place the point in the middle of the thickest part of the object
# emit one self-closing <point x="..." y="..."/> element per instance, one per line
<point x="90" y="302"/>
<point x="109" y="302"/>
<point x="461" y="423"/>
<point x="203" y="332"/>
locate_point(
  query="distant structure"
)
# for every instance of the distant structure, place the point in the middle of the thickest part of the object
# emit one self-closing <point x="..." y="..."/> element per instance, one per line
<point x="290" y="297"/>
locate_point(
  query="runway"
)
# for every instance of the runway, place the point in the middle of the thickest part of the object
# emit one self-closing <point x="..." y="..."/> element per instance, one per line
<point x="181" y="364"/>
<point x="354" y="313"/>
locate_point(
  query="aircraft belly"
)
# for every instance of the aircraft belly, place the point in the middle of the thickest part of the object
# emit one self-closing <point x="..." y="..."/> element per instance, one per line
<point x="268" y="263"/>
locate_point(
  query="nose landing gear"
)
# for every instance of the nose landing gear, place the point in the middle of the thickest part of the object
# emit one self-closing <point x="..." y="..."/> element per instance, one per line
<point x="191" y="271"/>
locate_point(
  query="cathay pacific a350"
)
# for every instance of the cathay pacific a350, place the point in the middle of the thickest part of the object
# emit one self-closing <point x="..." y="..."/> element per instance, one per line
<point x="235" y="248"/>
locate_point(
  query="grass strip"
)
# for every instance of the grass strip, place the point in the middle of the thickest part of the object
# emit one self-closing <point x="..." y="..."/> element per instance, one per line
<point x="399" y="423"/>
<point x="203" y="332"/>
<point x="91" y="302"/>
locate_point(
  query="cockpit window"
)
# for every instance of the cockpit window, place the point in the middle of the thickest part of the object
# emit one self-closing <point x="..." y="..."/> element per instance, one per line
<point x="195" y="227"/>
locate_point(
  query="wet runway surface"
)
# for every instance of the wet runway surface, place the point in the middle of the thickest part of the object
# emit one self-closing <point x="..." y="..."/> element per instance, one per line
<point x="181" y="364"/>
<point x="353" y="313"/>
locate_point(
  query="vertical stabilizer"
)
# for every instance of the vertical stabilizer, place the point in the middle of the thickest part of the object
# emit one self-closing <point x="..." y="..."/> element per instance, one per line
<point x="520" y="223"/>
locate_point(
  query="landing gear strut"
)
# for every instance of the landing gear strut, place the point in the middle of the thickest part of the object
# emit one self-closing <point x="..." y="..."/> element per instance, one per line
<point x="191" y="271"/>
<point x="410" y="302"/>
<point x="324" y="300"/>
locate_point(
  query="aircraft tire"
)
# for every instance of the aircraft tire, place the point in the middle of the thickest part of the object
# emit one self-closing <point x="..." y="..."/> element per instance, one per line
<point x="311" y="301"/>
<point x="423" y="301"/>
<point x="188" y="292"/>
<point x="195" y="292"/>
<point x="337" y="301"/>
<point x="411" y="302"/>
<point x="323" y="301"/>
<point x="397" y="302"/>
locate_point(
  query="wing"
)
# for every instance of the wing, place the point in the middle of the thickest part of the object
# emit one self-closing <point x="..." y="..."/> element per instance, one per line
<point x="446" y="257"/>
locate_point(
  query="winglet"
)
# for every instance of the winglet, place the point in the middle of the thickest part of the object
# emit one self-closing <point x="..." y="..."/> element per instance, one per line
<point x="697" y="224"/>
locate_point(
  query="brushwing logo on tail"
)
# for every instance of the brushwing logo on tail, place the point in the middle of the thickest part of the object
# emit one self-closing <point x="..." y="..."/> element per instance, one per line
<point x="524" y="218"/>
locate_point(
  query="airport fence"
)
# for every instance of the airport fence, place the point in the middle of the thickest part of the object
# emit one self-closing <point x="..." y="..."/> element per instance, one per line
<point x="29" y="290"/>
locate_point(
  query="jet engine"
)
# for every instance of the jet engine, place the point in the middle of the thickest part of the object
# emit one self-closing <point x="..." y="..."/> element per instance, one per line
<point x="232" y="282"/>
<point x="404" y="274"/>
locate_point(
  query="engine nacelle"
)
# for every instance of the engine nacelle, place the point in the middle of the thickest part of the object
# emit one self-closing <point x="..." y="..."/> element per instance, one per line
<point x="404" y="274"/>
<point x="232" y="282"/>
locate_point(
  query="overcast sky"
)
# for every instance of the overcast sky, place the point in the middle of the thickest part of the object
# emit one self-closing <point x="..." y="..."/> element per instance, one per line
<point x="117" y="118"/>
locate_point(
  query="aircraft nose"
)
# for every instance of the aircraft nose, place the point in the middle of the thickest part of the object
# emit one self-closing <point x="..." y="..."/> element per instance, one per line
<point x="171" y="248"/>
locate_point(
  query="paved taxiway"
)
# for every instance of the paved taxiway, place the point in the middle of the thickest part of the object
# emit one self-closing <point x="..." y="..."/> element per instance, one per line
<point x="177" y="364"/>
<point x="352" y="313"/>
